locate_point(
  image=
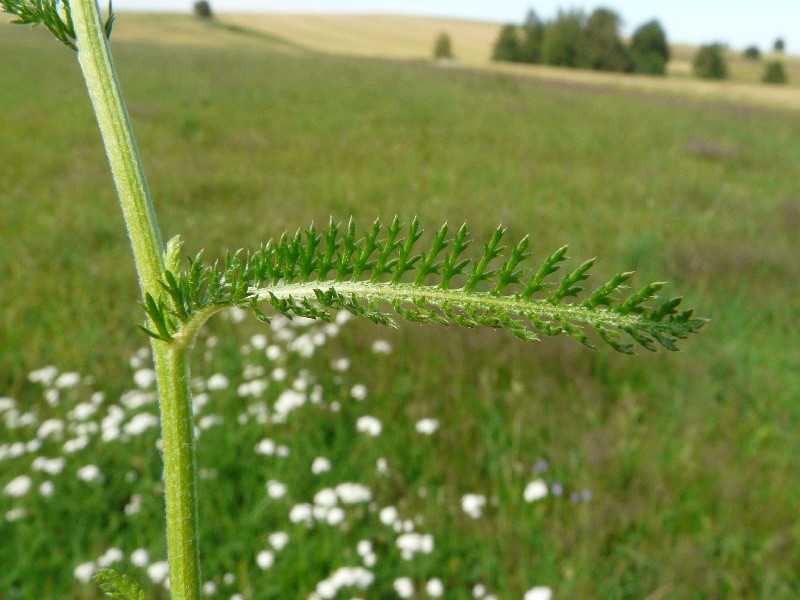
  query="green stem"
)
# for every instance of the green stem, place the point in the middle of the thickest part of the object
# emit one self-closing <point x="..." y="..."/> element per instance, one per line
<point x="171" y="363"/>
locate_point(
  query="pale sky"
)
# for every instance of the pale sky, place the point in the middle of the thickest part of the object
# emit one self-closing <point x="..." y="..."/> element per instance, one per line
<point x="739" y="23"/>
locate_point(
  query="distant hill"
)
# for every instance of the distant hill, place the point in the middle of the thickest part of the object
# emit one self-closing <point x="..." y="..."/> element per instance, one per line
<point x="400" y="37"/>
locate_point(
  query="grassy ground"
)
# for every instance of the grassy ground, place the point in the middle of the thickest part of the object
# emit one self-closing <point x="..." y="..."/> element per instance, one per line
<point x="689" y="461"/>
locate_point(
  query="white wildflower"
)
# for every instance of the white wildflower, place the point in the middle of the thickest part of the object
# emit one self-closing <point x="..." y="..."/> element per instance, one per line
<point x="382" y="466"/>
<point x="90" y="473"/>
<point x="320" y="465"/>
<point x="414" y="543"/>
<point x="51" y="396"/>
<point x="359" y="391"/>
<point x="67" y="380"/>
<point x="84" y="571"/>
<point x="144" y="378"/>
<point x="434" y="587"/>
<point x="209" y="421"/>
<point x="479" y="591"/>
<point x="427" y="426"/>
<point x="136" y="399"/>
<point x="473" y="504"/>
<point x="288" y="401"/>
<point x="45" y="375"/>
<point x="325" y="497"/>
<point x="15" y="514"/>
<point x="140" y="557"/>
<point x="82" y="411"/>
<point x="353" y="493"/>
<point x="47" y="489"/>
<point x="18" y="486"/>
<point x="404" y="587"/>
<point x="388" y="515"/>
<point x="259" y="341"/>
<point x="253" y="388"/>
<point x="109" y="557"/>
<point x="218" y="381"/>
<point x="276" y="489"/>
<point x="340" y="364"/>
<point x="278" y="540"/>
<point x="134" y="505"/>
<point x="364" y="547"/>
<point x="141" y="423"/>
<point x="273" y="352"/>
<point x="335" y="515"/>
<point x="369" y="425"/>
<point x="265" y="559"/>
<point x="209" y="587"/>
<point x="51" y="466"/>
<point x="301" y="513"/>
<point x="535" y="490"/>
<point x="343" y="317"/>
<point x="303" y="345"/>
<point x="6" y="404"/>
<point x="381" y="347"/>
<point x="158" y="571"/>
<point x="282" y="451"/>
<point x="539" y="592"/>
<point x="49" y="427"/>
<point x="265" y="447"/>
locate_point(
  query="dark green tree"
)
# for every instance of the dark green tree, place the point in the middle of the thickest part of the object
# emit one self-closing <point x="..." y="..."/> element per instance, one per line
<point x="600" y="46"/>
<point x="442" y="49"/>
<point x="774" y="73"/>
<point x="561" y="39"/>
<point x="203" y="10"/>
<point x="752" y="53"/>
<point x="507" y="47"/>
<point x="532" y="35"/>
<point x="709" y="62"/>
<point x="649" y="49"/>
<point x="779" y="45"/>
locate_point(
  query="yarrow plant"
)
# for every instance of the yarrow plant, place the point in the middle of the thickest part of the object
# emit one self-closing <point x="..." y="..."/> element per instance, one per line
<point x="383" y="273"/>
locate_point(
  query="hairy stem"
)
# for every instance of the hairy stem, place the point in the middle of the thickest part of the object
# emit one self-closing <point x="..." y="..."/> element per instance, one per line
<point x="172" y="368"/>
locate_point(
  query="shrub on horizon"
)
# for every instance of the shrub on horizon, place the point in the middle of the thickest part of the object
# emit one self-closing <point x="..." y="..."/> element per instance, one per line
<point x="202" y="10"/>
<point x="649" y="49"/>
<point x="442" y="48"/>
<point x="774" y="73"/>
<point x="709" y="62"/>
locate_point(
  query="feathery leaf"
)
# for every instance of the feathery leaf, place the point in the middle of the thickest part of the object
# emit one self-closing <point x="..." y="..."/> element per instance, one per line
<point x="53" y="14"/>
<point x="381" y="273"/>
<point x="118" y="587"/>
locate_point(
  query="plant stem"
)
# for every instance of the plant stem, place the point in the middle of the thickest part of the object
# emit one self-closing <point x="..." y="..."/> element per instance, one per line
<point x="171" y="362"/>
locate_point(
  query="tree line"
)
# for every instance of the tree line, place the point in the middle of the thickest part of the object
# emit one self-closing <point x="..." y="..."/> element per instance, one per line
<point x="576" y="40"/>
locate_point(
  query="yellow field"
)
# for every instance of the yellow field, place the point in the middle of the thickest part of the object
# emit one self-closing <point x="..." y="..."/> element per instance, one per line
<point x="396" y="37"/>
<point x="379" y="36"/>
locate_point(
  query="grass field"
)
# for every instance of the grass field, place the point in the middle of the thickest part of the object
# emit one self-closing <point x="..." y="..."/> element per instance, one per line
<point x="668" y="476"/>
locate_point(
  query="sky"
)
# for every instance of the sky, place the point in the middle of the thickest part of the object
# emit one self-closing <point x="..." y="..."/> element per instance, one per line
<point x="739" y="23"/>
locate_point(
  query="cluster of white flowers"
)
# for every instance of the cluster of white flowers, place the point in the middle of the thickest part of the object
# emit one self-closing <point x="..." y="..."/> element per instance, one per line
<point x="344" y="577"/>
<point x="270" y="358"/>
<point x="413" y="543"/>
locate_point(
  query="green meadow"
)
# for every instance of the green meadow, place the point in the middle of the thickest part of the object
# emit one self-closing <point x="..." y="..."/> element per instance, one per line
<point x="669" y="475"/>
